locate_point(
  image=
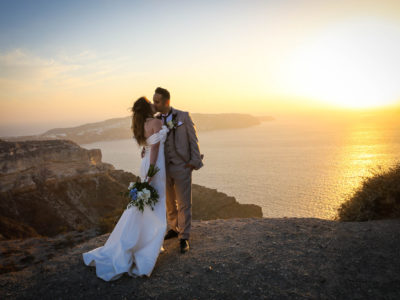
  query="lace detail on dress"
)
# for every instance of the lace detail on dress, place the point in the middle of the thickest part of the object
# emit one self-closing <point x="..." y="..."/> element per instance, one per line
<point x="158" y="136"/>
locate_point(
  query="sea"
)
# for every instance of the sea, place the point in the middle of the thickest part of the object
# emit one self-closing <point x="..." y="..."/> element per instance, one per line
<point x="290" y="168"/>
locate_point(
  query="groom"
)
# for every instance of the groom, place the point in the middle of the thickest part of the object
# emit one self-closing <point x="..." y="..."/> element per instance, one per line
<point x="182" y="156"/>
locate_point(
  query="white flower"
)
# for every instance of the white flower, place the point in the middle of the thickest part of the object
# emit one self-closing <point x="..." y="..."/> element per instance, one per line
<point x="146" y="193"/>
<point x="170" y="124"/>
<point x="131" y="185"/>
<point x="140" y="195"/>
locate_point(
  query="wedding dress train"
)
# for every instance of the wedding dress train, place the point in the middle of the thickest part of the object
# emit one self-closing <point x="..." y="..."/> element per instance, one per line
<point x="136" y="241"/>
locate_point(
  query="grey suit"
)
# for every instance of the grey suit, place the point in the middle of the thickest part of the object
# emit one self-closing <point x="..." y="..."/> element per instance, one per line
<point x="181" y="147"/>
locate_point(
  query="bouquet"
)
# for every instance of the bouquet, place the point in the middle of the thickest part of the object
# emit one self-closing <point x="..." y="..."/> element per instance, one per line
<point x="142" y="193"/>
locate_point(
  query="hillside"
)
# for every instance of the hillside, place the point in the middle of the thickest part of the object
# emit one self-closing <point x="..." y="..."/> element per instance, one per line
<point x="241" y="258"/>
<point x="120" y="128"/>
<point x="54" y="186"/>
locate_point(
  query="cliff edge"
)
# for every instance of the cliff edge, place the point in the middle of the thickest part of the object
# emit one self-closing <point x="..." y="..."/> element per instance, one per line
<point x="53" y="186"/>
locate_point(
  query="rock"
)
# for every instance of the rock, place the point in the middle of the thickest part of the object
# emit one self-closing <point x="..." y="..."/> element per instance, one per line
<point x="28" y="164"/>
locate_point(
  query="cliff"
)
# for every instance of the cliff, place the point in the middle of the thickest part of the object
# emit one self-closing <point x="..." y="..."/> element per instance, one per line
<point x="120" y="128"/>
<point x="28" y="164"/>
<point x="53" y="186"/>
<point x="240" y="258"/>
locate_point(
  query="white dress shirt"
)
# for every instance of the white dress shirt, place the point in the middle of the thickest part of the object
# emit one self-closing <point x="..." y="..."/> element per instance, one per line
<point x="169" y="118"/>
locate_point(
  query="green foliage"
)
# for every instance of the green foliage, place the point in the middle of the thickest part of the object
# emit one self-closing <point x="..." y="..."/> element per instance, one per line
<point x="153" y="169"/>
<point x="378" y="197"/>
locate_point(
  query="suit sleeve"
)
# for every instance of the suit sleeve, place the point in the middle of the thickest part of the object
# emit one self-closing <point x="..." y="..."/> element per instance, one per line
<point x="195" y="158"/>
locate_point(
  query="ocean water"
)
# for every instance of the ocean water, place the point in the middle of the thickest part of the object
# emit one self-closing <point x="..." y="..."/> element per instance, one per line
<point x="289" y="168"/>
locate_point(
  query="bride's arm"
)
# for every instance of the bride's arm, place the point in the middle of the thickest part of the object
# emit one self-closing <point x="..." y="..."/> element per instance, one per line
<point x="156" y="126"/>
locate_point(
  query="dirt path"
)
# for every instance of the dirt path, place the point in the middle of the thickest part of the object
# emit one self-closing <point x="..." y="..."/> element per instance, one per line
<point x="252" y="258"/>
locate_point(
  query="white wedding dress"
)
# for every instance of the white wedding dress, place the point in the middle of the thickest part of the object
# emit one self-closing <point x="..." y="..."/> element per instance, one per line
<point x="136" y="240"/>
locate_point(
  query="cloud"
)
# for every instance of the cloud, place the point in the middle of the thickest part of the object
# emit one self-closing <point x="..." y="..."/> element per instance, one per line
<point x="21" y="71"/>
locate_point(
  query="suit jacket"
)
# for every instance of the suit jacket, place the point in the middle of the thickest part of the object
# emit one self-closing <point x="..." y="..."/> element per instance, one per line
<point x="182" y="143"/>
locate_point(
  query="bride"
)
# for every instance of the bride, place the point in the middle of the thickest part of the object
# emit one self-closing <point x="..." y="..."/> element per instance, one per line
<point x="136" y="240"/>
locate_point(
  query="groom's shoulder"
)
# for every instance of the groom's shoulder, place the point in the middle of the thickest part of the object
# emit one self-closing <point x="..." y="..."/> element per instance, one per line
<point x="181" y="112"/>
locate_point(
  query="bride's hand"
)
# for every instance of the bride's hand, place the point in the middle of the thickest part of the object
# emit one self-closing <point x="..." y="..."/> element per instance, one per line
<point x="142" y="153"/>
<point x="149" y="179"/>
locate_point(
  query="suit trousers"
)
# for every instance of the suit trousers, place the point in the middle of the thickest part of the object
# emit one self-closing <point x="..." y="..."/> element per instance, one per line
<point x="179" y="198"/>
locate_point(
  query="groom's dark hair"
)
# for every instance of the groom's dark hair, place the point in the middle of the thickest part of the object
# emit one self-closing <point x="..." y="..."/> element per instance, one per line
<point x="163" y="92"/>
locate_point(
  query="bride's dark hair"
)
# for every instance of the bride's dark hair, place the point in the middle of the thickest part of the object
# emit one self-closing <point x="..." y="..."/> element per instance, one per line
<point x="141" y="110"/>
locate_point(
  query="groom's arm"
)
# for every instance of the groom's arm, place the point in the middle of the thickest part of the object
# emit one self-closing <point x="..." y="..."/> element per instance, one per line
<point x="195" y="156"/>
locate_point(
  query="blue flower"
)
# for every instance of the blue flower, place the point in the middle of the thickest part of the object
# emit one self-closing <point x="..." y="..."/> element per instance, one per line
<point x="133" y="193"/>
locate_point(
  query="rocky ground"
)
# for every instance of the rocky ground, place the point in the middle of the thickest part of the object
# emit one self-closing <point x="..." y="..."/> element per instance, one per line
<point x="241" y="258"/>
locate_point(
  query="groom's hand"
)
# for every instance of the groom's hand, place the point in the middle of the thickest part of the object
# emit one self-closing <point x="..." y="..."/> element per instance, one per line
<point x="190" y="166"/>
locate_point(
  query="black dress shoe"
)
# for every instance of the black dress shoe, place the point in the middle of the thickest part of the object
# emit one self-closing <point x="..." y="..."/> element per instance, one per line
<point x="184" y="243"/>
<point x="170" y="234"/>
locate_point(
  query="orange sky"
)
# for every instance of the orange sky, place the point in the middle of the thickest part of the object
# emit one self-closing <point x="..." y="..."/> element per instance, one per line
<point x="80" y="63"/>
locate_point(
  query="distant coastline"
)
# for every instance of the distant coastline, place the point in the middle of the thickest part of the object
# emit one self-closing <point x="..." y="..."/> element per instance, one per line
<point x="266" y="118"/>
<point x="120" y="128"/>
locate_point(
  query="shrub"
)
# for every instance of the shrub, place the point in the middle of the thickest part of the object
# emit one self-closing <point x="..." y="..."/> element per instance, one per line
<point x="378" y="197"/>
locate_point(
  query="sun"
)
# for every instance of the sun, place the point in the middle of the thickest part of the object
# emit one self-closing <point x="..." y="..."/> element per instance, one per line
<point x="354" y="64"/>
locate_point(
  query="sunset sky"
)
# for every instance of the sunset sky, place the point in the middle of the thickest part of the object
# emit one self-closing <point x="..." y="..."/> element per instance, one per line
<point x="73" y="62"/>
